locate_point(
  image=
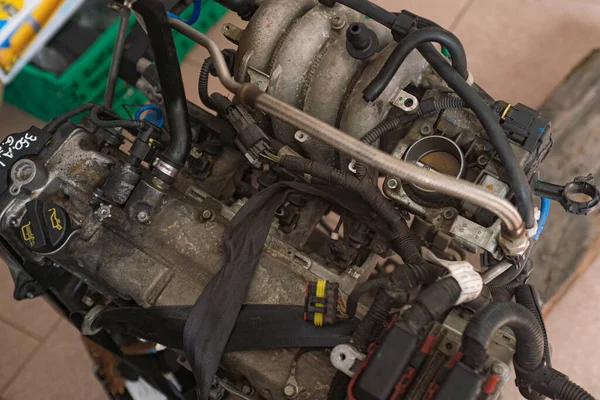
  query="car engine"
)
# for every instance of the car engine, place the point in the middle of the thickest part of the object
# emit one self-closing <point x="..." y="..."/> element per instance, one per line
<point x="355" y="221"/>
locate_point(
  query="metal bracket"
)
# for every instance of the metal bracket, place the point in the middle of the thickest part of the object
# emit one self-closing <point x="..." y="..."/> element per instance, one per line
<point x="345" y="358"/>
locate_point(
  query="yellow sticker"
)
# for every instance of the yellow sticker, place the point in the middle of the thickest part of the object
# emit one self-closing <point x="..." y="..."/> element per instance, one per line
<point x="27" y="234"/>
<point x="54" y="220"/>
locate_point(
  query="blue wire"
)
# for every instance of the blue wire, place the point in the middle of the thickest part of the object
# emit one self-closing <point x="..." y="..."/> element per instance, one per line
<point x="544" y="213"/>
<point x="195" y="13"/>
<point x="155" y="116"/>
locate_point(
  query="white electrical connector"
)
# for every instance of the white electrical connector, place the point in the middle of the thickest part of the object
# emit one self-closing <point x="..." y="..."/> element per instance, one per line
<point x="469" y="280"/>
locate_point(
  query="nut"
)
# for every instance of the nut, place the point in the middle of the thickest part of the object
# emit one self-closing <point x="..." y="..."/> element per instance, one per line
<point x="337" y="22"/>
<point x="514" y="246"/>
<point x="290" y="391"/>
<point x="392" y="184"/>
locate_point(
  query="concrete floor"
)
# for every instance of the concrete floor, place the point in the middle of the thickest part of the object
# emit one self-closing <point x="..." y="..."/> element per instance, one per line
<point x="518" y="51"/>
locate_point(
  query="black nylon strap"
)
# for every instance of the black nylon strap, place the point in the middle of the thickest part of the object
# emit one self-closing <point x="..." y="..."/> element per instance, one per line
<point x="213" y="317"/>
<point x="258" y="327"/>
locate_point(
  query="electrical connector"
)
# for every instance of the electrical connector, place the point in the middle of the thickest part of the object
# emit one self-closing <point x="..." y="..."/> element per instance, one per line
<point x="320" y="304"/>
<point x="522" y="124"/>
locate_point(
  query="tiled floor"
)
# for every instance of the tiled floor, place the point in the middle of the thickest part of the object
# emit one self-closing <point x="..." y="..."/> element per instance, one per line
<point x="518" y="50"/>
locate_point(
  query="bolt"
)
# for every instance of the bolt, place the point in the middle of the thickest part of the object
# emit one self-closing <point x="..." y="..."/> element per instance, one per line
<point x="289" y="390"/>
<point x="378" y="248"/>
<point x="482" y="160"/>
<point x="87" y="300"/>
<point x="449" y="214"/>
<point x="143" y="217"/>
<point x="247" y="389"/>
<point x="13" y="222"/>
<point x="337" y="22"/>
<point x="425" y="129"/>
<point x="392" y="184"/>
<point x="208" y="215"/>
<point x="498" y="369"/>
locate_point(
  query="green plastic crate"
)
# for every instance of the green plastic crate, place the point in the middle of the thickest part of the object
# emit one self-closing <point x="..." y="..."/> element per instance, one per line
<point x="46" y="95"/>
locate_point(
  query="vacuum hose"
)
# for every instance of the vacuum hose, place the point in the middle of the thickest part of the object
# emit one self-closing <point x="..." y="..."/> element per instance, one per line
<point x="406" y="46"/>
<point x="161" y="39"/>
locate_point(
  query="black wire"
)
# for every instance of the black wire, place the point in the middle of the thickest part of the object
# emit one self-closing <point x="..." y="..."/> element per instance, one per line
<point x="58" y="121"/>
<point x="117" y="123"/>
<point x="205" y="98"/>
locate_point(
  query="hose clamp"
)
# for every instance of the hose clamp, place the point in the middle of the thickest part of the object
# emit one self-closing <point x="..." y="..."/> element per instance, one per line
<point x="165" y="168"/>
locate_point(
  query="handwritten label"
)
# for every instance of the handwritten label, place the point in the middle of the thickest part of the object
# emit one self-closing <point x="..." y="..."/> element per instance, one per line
<point x="16" y="146"/>
<point x="10" y="147"/>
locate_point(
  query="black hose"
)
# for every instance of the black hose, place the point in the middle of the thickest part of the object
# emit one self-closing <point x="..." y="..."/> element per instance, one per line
<point x="53" y="125"/>
<point x="484" y="113"/>
<point x="482" y="327"/>
<point x="205" y="98"/>
<point x="406" y="46"/>
<point x="244" y="8"/>
<point x="371" y="10"/>
<point x="115" y="63"/>
<point x="526" y="295"/>
<point x="504" y="292"/>
<point x="167" y="64"/>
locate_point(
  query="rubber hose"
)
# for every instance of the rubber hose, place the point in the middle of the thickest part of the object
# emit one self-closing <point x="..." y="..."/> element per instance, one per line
<point x="244" y="8"/>
<point x="53" y="125"/>
<point x="571" y="391"/>
<point x="502" y="293"/>
<point x="482" y="327"/>
<point x="518" y="180"/>
<point x="406" y="46"/>
<point x="371" y="10"/>
<point x="158" y="27"/>
<point x="526" y="295"/>
<point x="203" y="84"/>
